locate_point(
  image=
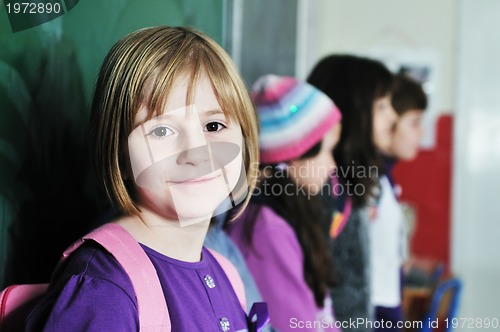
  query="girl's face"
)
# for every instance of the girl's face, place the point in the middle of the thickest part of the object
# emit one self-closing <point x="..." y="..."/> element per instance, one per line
<point x="408" y="134"/>
<point x="384" y="118"/>
<point x="312" y="173"/>
<point x="187" y="160"/>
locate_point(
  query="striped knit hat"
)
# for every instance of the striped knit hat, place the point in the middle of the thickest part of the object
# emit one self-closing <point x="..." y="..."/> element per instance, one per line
<point x="294" y="116"/>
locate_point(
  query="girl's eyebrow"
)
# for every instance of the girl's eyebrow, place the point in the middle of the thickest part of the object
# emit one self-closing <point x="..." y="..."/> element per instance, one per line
<point x="208" y="112"/>
<point x="170" y="116"/>
<point x="212" y="112"/>
<point x="217" y="111"/>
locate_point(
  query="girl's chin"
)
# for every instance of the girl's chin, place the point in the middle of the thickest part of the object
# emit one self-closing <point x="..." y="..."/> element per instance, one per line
<point x="195" y="221"/>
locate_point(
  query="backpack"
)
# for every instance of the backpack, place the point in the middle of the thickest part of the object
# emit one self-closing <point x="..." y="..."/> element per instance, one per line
<point x="18" y="300"/>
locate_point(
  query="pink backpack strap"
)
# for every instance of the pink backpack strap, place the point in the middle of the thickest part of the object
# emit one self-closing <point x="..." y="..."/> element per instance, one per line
<point x="233" y="276"/>
<point x="152" y="308"/>
<point x="16" y="302"/>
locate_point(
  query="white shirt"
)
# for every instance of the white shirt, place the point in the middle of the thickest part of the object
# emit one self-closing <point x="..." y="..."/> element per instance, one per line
<point x="386" y="248"/>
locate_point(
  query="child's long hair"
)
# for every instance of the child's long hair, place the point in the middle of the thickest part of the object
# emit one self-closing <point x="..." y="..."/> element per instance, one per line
<point x="354" y="83"/>
<point x="309" y="217"/>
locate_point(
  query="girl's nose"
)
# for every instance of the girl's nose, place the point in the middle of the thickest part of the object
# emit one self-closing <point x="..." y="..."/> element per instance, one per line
<point x="194" y="147"/>
<point x="194" y="156"/>
<point x="393" y="115"/>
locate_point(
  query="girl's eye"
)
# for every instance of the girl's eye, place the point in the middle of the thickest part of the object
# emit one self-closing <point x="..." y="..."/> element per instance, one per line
<point x="214" y="126"/>
<point x="160" y="132"/>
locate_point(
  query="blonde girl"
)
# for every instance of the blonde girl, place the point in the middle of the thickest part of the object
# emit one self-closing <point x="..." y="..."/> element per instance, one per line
<point x="173" y="135"/>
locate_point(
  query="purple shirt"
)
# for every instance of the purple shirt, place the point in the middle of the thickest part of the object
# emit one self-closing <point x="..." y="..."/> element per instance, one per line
<point x="93" y="293"/>
<point x="276" y="262"/>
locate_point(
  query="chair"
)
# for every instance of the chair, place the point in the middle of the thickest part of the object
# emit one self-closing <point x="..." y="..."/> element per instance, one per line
<point x="444" y="304"/>
<point x="420" y="285"/>
<point x="437" y="273"/>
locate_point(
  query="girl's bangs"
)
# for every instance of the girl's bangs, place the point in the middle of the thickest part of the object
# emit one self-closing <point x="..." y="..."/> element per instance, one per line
<point x="158" y="86"/>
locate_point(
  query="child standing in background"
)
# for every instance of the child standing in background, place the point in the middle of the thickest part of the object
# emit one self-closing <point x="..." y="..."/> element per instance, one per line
<point x="409" y="101"/>
<point x="283" y="233"/>
<point x="361" y="88"/>
<point x="173" y="135"/>
<point x="387" y="231"/>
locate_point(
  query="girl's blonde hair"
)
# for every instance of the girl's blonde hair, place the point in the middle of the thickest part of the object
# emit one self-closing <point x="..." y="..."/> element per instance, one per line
<point x="140" y="70"/>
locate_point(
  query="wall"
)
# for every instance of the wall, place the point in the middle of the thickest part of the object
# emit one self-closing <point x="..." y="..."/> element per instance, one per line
<point x="267" y="30"/>
<point x="476" y="219"/>
<point x="425" y="27"/>
<point x="430" y="173"/>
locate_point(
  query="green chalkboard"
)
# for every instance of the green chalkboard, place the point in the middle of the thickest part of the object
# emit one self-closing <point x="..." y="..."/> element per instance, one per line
<point x="48" y="196"/>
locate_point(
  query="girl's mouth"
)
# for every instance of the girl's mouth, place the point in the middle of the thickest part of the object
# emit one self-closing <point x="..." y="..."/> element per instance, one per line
<point x="202" y="179"/>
